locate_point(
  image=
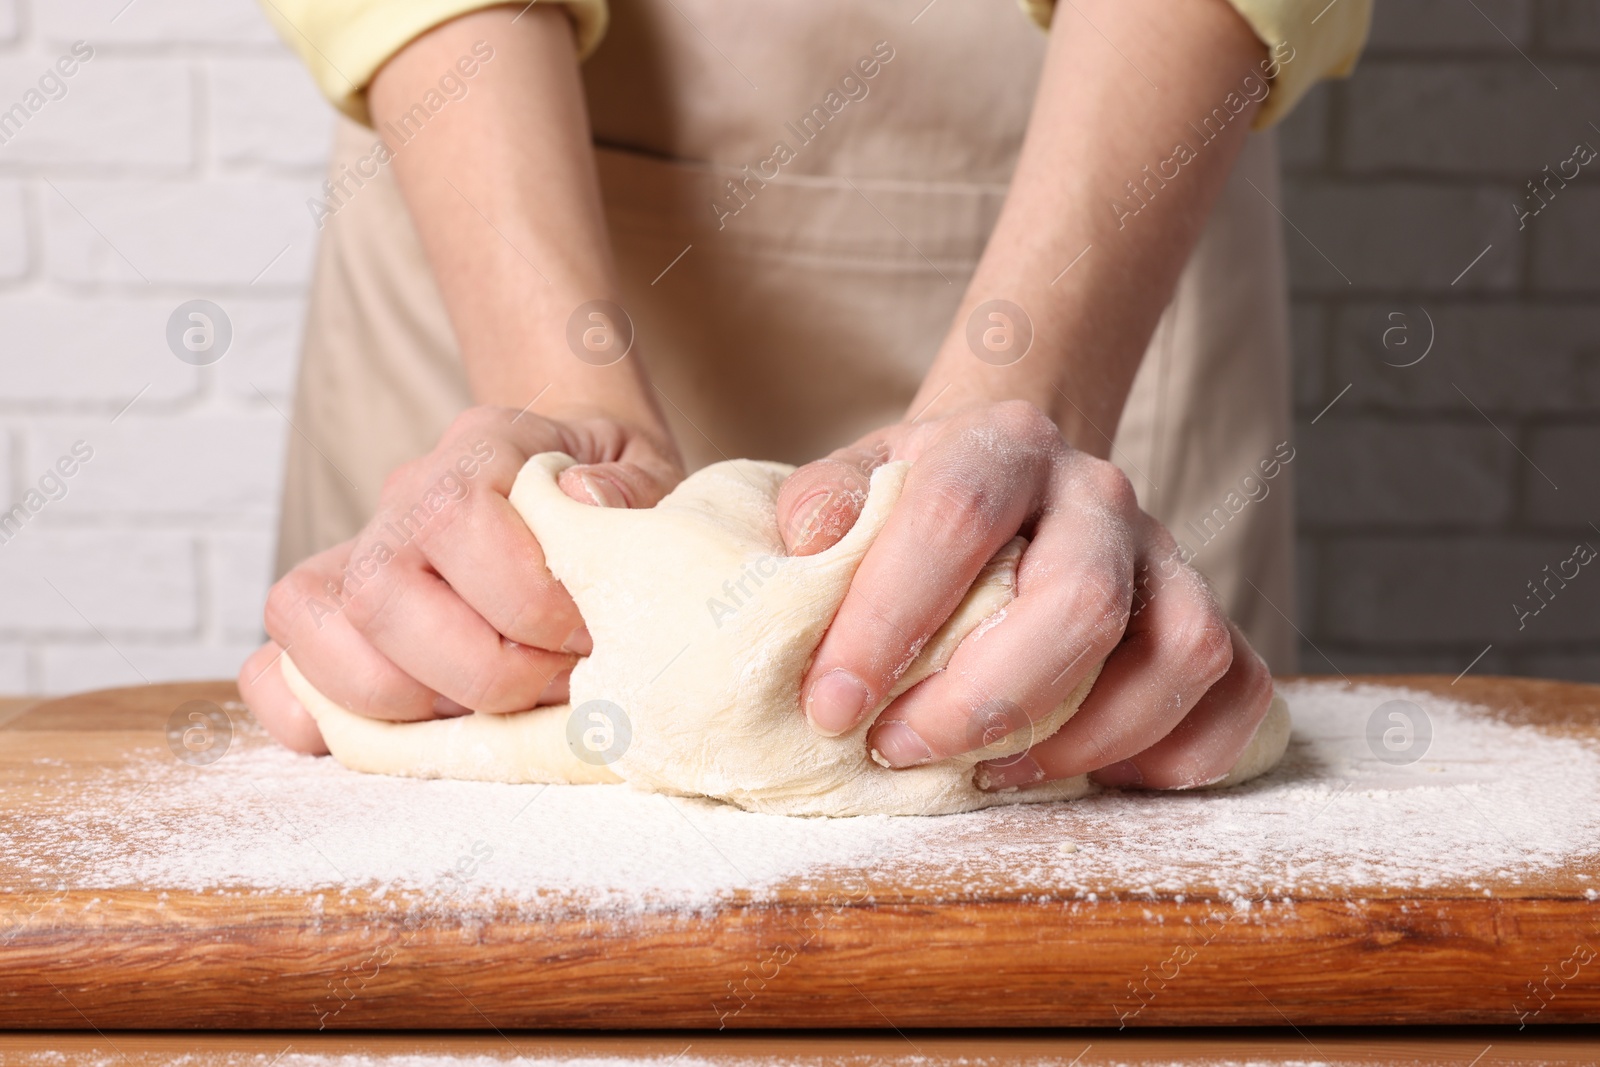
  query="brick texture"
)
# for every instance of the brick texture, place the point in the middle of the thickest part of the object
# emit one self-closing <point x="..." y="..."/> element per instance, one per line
<point x="1367" y="472"/>
<point x="122" y="112"/>
<point x="1462" y="460"/>
<point x="1519" y="356"/>
<point x="266" y="346"/>
<point x="1394" y="236"/>
<point x="14" y="250"/>
<point x="239" y="566"/>
<point x="1473" y="588"/>
<point x="62" y="356"/>
<point x="1570" y="26"/>
<point x="178" y="162"/>
<point x="1475" y="113"/>
<point x="1451" y="25"/>
<point x="9" y="489"/>
<point x="71" y="667"/>
<point x="199" y="235"/>
<point x="86" y="583"/>
<point x="267" y="112"/>
<point x="14" y="669"/>
<point x="1566" y="258"/>
<point x="176" y="165"/>
<point x="1306" y="141"/>
<point x="228" y="23"/>
<point x="1569" y="456"/>
<point x="167" y="465"/>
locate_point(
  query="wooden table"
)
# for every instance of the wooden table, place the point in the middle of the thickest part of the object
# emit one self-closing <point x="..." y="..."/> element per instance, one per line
<point x="12" y="707"/>
<point x="147" y="957"/>
<point x="1449" y="1047"/>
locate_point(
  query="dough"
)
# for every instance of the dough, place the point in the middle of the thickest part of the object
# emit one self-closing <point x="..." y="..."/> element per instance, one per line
<point x="703" y="629"/>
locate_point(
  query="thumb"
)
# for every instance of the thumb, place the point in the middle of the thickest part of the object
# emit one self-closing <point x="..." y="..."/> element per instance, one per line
<point x="261" y="686"/>
<point x="822" y="500"/>
<point x="622" y="484"/>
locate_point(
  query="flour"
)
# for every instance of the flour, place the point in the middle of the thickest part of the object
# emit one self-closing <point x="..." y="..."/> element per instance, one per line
<point x="521" y="1058"/>
<point x="924" y="1051"/>
<point x="1491" y="806"/>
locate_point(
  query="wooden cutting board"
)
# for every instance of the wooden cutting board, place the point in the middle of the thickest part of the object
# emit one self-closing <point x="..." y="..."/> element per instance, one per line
<point x="1282" y="1046"/>
<point x="944" y="949"/>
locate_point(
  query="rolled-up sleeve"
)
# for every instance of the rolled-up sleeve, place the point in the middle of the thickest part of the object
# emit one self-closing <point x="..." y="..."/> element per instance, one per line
<point x="344" y="42"/>
<point x="1309" y="39"/>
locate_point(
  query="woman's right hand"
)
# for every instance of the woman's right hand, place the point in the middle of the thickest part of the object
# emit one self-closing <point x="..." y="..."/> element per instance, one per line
<point x="443" y="603"/>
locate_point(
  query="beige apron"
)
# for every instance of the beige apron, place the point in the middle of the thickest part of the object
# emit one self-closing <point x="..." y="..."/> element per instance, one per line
<point x="806" y="317"/>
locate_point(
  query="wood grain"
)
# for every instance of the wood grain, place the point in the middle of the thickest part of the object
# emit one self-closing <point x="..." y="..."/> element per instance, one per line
<point x="929" y="957"/>
<point x="1346" y="1047"/>
<point x="12" y="707"/>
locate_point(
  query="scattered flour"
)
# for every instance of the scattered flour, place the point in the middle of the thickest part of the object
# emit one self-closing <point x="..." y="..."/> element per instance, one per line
<point x="1491" y="806"/>
<point x="931" y="1056"/>
<point x="925" y="1052"/>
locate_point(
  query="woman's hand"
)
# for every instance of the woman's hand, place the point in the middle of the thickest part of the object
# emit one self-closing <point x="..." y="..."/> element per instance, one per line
<point x="443" y="603"/>
<point x="1181" y="693"/>
<point x="1079" y="288"/>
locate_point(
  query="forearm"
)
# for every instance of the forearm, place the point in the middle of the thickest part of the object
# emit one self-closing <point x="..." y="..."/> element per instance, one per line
<point x="501" y="186"/>
<point x="1097" y="124"/>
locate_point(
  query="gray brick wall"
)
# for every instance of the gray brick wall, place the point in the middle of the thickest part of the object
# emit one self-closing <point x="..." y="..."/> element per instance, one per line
<point x="178" y="163"/>
<point x="1432" y="494"/>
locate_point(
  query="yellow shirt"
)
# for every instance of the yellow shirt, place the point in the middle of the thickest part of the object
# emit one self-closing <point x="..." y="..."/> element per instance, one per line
<point x="344" y="42"/>
<point x="1324" y="37"/>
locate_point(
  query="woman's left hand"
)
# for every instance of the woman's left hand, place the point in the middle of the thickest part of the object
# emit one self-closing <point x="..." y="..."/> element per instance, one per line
<point x="1181" y="693"/>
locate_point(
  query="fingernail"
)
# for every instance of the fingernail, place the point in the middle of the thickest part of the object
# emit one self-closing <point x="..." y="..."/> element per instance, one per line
<point x="806" y="514"/>
<point x="603" y="491"/>
<point x="901" y="746"/>
<point x="557" y="691"/>
<point x="446" y="708"/>
<point x="837" y="702"/>
<point x="1008" y="774"/>
<point x="578" y="642"/>
<point x="1201" y="783"/>
<point x="1122" y="775"/>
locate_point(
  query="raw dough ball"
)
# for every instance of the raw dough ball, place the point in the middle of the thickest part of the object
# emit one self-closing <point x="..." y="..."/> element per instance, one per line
<point x="703" y="628"/>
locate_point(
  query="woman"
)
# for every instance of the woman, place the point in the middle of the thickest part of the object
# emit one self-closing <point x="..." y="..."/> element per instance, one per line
<point x="1046" y="270"/>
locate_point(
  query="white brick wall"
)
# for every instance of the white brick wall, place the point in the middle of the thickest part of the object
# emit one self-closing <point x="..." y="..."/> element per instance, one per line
<point x="176" y="166"/>
<point x="13" y="231"/>
<point x="178" y="163"/>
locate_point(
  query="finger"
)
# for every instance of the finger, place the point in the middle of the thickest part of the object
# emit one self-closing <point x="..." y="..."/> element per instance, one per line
<point x="483" y="550"/>
<point x="606" y="441"/>
<point x="1075" y="590"/>
<point x="348" y="669"/>
<point x="306" y="615"/>
<point x="490" y="445"/>
<point x="413" y="617"/>
<point x="559" y="691"/>
<point x="451" y="505"/>
<point x="1204" y="747"/>
<point x="821" y="501"/>
<point x="261" y="686"/>
<point x="1178" y="645"/>
<point x="617" y="485"/>
<point x="964" y="498"/>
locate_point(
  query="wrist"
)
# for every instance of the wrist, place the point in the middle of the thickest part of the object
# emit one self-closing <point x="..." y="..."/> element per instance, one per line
<point x="1082" y="400"/>
<point x="563" y="342"/>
